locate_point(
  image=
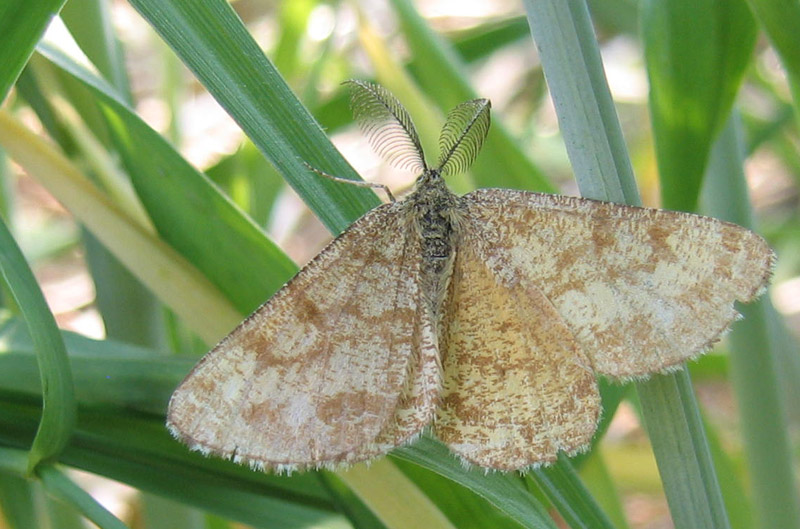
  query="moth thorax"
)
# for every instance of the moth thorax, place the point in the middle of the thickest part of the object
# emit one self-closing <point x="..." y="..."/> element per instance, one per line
<point x="434" y="209"/>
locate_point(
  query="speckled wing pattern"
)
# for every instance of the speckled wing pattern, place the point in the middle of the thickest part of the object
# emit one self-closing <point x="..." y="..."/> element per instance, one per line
<point x="548" y="290"/>
<point x="339" y="366"/>
<point x="641" y="289"/>
<point x="517" y="388"/>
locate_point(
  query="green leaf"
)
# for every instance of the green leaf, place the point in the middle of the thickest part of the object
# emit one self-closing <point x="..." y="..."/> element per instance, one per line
<point x="164" y="271"/>
<point x="483" y="40"/>
<point x="464" y="508"/>
<point x="505" y="491"/>
<point x="571" y="59"/>
<point x="781" y="22"/>
<point x="293" y="19"/>
<point x="569" y="495"/>
<point x="604" y="488"/>
<point x="58" y="399"/>
<point x="136" y="449"/>
<point x="684" y="461"/>
<point x="89" y="23"/>
<point x="17" y="496"/>
<point x="187" y="209"/>
<point x="250" y="180"/>
<point x="754" y="356"/>
<point x="14" y="462"/>
<point x="137" y="383"/>
<point x="696" y="53"/>
<point x="118" y="294"/>
<point x="737" y="502"/>
<point x="348" y="503"/>
<point x="63" y="488"/>
<point x="22" y="24"/>
<point x="378" y="485"/>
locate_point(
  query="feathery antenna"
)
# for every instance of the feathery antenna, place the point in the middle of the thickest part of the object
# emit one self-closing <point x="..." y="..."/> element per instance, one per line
<point x="387" y="125"/>
<point x="463" y="134"/>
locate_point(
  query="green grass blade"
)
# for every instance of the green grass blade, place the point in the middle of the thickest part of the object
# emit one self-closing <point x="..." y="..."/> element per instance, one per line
<point x="139" y="383"/>
<point x="22" y="24"/>
<point x="569" y="495"/>
<point x="465" y="508"/>
<point x="30" y="90"/>
<point x="505" y="491"/>
<point x="486" y="39"/>
<point x="13" y="461"/>
<point x="737" y="502"/>
<point x="614" y="17"/>
<point x="292" y="20"/>
<point x="58" y="398"/>
<point x="696" y="54"/>
<point x="564" y="36"/>
<point x="781" y="21"/>
<point x="349" y="504"/>
<point x="188" y="211"/>
<point x="377" y="487"/>
<point x="17" y="496"/>
<point x="753" y="361"/>
<point x="586" y="114"/>
<point x="63" y="488"/>
<point x="673" y="424"/>
<point x="137" y="450"/>
<point x="118" y="294"/>
<point x="164" y="271"/>
<point x="89" y="23"/>
<point x="440" y="73"/>
<point x="604" y="489"/>
<point x="250" y="180"/>
<point x="215" y="45"/>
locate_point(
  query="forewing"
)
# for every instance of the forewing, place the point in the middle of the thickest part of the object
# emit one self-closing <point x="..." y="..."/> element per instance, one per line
<point x="316" y="375"/>
<point x="516" y="386"/>
<point x="642" y="290"/>
<point x="417" y="404"/>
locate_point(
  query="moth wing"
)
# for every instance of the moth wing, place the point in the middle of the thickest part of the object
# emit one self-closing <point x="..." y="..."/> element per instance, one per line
<point x="642" y="290"/>
<point x="315" y="376"/>
<point x="516" y="386"/>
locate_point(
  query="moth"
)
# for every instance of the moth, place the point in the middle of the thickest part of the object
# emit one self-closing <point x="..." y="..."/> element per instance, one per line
<point x="487" y="317"/>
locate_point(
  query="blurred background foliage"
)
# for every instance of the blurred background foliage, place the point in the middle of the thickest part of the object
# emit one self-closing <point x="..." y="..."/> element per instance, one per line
<point x="151" y="171"/>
